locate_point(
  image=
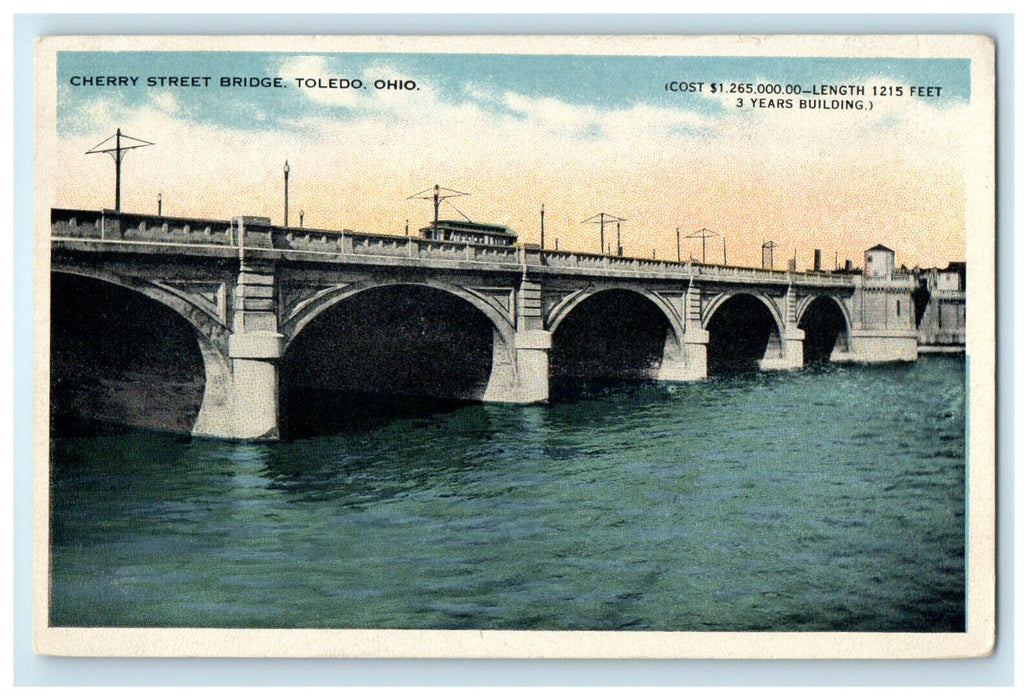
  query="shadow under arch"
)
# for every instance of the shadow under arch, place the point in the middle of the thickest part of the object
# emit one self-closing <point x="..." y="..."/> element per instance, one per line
<point x="120" y="356"/>
<point x="386" y="350"/>
<point x="303" y="314"/>
<point x="825" y="322"/>
<point x="744" y="330"/>
<point x="611" y="334"/>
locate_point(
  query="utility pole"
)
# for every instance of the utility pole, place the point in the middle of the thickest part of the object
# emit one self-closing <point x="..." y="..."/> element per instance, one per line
<point x="678" y="258"/>
<point x="619" y="246"/>
<point x="767" y="254"/>
<point x="604" y="219"/>
<point x="117" y="153"/>
<point x="287" y="171"/>
<point x="703" y="234"/>
<point x="437" y="197"/>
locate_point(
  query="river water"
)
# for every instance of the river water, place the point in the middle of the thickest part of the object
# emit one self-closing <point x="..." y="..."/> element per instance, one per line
<point x="827" y="499"/>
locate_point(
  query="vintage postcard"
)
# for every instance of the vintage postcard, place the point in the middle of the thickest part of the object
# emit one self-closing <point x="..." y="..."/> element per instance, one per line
<point x="624" y="347"/>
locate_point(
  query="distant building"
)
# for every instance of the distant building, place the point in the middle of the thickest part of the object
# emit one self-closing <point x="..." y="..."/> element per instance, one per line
<point x="880" y="261"/>
<point x="942" y="308"/>
<point x="470" y="232"/>
<point x="952" y="278"/>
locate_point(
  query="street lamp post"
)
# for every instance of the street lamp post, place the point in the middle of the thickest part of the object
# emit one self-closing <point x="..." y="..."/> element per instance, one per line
<point x="542" y="227"/>
<point x="287" y="170"/>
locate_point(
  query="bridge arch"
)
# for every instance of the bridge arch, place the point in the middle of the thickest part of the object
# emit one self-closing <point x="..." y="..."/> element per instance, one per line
<point x="567" y="305"/>
<point x="613" y="331"/>
<point x="207" y="324"/>
<point x="304" y="313"/>
<point x="806" y="302"/>
<point x="746" y="331"/>
<point x="146" y="393"/>
<point x="389" y="345"/>
<point x="713" y="304"/>
<point x="827" y="324"/>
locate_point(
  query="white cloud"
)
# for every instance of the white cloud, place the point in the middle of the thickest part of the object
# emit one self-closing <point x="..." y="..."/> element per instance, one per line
<point x="166" y="102"/>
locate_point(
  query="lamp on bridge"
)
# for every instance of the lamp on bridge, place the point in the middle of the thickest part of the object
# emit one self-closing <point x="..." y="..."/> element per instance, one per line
<point x="287" y="170"/>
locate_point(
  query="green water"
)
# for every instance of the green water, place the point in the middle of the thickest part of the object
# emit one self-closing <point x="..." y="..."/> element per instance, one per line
<point x="828" y="499"/>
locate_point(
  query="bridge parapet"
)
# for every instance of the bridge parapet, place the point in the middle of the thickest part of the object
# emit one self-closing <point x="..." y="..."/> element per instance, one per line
<point x="261" y="235"/>
<point x="753" y="275"/>
<point x="109" y="225"/>
<point x="596" y="261"/>
<point x="897" y="281"/>
<point x="263" y="239"/>
<point x="583" y="263"/>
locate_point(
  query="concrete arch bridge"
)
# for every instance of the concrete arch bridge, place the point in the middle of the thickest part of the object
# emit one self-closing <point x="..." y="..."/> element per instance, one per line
<point x="204" y="326"/>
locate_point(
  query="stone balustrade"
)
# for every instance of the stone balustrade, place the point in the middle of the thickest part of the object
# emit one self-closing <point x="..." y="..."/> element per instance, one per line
<point x="261" y="234"/>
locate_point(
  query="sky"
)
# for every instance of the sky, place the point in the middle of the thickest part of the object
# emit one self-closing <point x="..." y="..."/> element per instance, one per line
<point x="578" y="135"/>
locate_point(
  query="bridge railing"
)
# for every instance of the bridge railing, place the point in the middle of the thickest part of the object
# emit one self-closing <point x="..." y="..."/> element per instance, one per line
<point x="260" y="233"/>
<point x="949" y="295"/>
<point x="895" y="281"/>
<point x="111" y="225"/>
<point x="732" y="273"/>
<point x="596" y="261"/>
<point x="108" y="225"/>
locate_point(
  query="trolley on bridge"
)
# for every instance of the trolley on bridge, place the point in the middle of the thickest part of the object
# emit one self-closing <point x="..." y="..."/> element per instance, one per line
<point x="470" y="232"/>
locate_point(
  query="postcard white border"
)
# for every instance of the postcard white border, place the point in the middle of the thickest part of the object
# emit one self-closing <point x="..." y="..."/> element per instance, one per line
<point x="980" y="227"/>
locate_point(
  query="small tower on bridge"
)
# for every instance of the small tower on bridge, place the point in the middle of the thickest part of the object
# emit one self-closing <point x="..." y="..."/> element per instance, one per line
<point x="880" y="261"/>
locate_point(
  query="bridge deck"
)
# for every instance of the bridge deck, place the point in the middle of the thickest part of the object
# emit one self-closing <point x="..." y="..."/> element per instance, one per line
<point x="107" y="230"/>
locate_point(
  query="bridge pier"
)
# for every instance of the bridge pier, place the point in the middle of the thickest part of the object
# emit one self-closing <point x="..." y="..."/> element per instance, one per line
<point x="687" y="362"/>
<point x="786" y="353"/>
<point x="530" y="352"/>
<point x="794" y="348"/>
<point x="255" y="349"/>
<point x="533" y="366"/>
<point x="255" y="397"/>
<point x="884" y="345"/>
<point x="521" y="373"/>
<point x="215" y="416"/>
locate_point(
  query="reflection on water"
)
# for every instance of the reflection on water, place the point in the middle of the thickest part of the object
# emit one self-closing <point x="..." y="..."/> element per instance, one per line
<point x="828" y="499"/>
